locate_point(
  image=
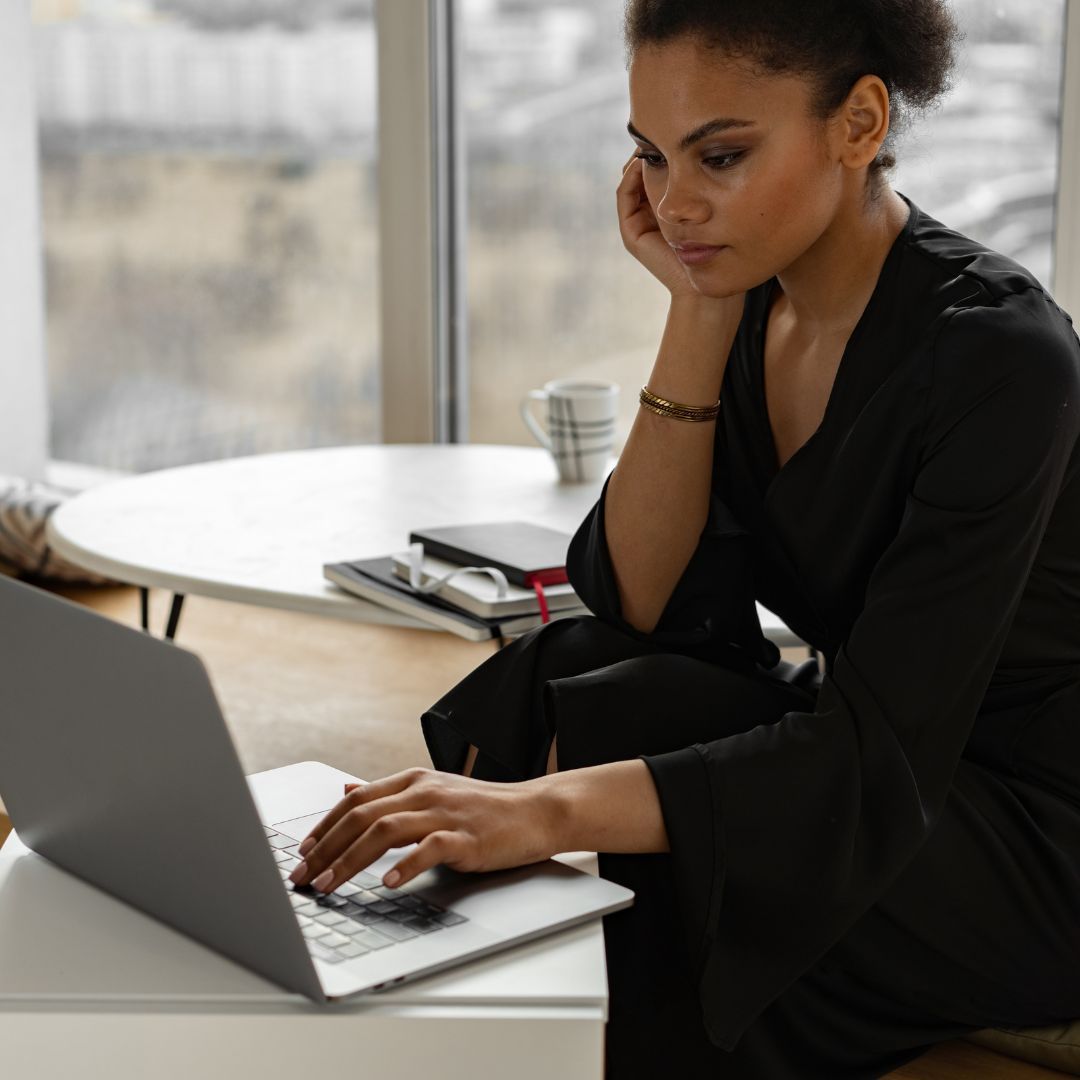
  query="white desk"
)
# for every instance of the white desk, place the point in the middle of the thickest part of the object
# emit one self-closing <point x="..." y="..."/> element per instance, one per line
<point x="93" y="989"/>
<point x="258" y="529"/>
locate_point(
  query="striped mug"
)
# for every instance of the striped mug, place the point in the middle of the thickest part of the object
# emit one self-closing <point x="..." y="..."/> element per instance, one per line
<point x="580" y="427"/>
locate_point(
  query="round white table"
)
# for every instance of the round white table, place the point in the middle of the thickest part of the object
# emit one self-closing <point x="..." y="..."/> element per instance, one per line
<point x="257" y="530"/>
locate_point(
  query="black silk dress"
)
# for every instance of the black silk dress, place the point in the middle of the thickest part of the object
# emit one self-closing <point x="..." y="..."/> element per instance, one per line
<point x="885" y="855"/>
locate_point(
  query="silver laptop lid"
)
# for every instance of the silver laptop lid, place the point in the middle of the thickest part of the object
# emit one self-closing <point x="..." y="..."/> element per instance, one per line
<point x="115" y="763"/>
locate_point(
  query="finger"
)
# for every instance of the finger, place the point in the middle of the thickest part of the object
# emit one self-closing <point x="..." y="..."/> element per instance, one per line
<point x="436" y="848"/>
<point x="348" y="828"/>
<point x="395" y="830"/>
<point x="630" y="194"/>
<point x="630" y="161"/>
<point x="632" y="180"/>
<point x="359" y="794"/>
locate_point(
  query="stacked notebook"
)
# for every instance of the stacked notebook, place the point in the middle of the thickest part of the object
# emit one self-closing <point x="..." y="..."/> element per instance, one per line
<point x="532" y="558"/>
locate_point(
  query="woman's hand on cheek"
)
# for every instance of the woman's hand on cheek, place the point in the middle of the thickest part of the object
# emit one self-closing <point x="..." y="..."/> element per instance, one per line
<point x="463" y="823"/>
<point x="641" y="234"/>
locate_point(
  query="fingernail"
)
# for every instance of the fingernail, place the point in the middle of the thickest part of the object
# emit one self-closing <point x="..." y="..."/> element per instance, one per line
<point x="298" y="873"/>
<point x="392" y="879"/>
<point x="307" y="845"/>
<point x="322" y="882"/>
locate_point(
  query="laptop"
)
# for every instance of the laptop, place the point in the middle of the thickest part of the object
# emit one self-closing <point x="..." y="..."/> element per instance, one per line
<point x="116" y="765"/>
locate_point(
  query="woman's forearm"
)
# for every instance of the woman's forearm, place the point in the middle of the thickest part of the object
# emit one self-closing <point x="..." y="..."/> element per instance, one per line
<point x="613" y="808"/>
<point x="658" y="496"/>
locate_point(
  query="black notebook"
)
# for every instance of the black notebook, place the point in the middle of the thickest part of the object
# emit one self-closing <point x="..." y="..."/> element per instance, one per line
<point x="527" y="554"/>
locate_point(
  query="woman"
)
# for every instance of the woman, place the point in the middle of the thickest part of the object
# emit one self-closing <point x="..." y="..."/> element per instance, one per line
<point x="832" y="871"/>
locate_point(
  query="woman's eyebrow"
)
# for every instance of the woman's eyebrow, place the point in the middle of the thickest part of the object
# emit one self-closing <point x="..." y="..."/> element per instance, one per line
<point x="710" y="127"/>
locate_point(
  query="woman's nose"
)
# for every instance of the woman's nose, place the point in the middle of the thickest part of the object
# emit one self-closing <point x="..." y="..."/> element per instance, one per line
<point x="682" y="203"/>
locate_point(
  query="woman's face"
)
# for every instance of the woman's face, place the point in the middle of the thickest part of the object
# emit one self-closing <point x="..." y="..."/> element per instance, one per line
<point x="762" y="190"/>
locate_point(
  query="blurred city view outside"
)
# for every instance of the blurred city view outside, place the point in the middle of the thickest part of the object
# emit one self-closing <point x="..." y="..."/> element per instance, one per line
<point x="209" y="200"/>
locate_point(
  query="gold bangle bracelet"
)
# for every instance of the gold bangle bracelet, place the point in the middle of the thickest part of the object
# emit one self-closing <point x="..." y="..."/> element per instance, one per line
<point x="663" y="407"/>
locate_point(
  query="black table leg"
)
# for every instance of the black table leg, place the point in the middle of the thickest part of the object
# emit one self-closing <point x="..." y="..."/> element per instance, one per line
<point x="174" y="616"/>
<point x="174" y="612"/>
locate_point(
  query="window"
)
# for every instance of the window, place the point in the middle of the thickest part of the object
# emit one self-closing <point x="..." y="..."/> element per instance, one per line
<point x="986" y="162"/>
<point x="209" y="219"/>
<point x="551" y="290"/>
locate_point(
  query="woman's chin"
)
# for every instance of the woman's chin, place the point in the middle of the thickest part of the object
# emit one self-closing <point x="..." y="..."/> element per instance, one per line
<point x="715" y="285"/>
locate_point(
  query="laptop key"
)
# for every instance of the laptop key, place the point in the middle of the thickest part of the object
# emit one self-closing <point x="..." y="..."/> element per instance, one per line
<point x="353" y="929"/>
<point x="396" y="931"/>
<point x="270" y="832"/>
<point x="448" y="918"/>
<point x="360" y="915"/>
<point x="333" y="939"/>
<point x="422" y="925"/>
<point x="330" y="918"/>
<point x="280" y="856"/>
<point x="385" y="893"/>
<point x="280" y="841"/>
<point x="366" y="880"/>
<point x="373" y="940"/>
<point x="353" y="949"/>
<point x="328" y="956"/>
<point x="314" y="931"/>
<point x="382" y="907"/>
<point x="348" y="889"/>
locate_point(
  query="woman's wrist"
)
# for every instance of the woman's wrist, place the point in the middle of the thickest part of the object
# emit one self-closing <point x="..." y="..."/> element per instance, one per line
<point x="612" y="807"/>
<point x="697" y="340"/>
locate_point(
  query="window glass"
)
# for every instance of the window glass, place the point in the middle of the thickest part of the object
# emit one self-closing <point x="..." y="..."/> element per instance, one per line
<point x="208" y="201"/>
<point x="551" y="290"/>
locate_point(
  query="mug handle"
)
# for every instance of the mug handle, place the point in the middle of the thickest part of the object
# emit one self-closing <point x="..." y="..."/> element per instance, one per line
<point x="530" y="421"/>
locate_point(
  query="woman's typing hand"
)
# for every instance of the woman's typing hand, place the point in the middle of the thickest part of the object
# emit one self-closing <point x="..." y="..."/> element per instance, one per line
<point x="454" y="820"/>
<point x="469" y="824"/>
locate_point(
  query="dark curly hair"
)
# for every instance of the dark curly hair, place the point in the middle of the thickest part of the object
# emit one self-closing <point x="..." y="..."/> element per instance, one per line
<point x="908" y="44"/>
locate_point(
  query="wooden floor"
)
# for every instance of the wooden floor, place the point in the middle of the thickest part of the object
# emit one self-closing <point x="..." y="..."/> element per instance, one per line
<point x="296" y="687"/>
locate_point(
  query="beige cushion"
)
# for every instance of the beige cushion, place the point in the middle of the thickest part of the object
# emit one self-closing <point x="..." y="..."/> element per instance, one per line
<point x="1056" y="1047"/>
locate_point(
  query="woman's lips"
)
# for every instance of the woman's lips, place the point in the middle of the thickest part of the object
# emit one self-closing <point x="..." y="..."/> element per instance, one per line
<point x="694" y="254"/>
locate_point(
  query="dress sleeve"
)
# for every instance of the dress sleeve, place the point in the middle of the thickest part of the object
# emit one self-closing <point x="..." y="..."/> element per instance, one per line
<point x="815" y="814"/>
<point x="710" y="615"/>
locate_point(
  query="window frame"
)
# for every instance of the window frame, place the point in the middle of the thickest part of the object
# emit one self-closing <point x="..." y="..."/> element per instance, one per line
<point x="423" y="346"/>
<point x="24" y="407"/>
<point x="1067" y="197"/>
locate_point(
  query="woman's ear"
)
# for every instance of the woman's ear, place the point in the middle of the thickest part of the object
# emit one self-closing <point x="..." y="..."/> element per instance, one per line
<point x="862" y="122"/>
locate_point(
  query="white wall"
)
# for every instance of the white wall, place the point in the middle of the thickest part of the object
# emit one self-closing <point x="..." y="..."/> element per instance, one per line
<point x="23" y="423"/>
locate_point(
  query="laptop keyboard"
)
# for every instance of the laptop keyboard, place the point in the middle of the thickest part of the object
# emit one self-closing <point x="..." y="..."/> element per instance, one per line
<point x="357" y="918"/>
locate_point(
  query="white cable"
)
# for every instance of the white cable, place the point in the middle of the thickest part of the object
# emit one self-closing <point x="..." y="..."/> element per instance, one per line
<point x="416" y="579"/>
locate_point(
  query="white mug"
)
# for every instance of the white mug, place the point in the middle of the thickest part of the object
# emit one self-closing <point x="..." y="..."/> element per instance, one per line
<point x="580" y="434"/>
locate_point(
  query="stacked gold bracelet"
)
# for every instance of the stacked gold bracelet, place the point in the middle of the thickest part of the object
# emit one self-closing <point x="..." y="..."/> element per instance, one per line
<point x="663" y="407"/>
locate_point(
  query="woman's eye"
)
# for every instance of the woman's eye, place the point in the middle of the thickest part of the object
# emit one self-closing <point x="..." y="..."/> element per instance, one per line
<point x="724" y="161"/>
<point x="654" y="161"/>
<point x="714" y="161"/>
